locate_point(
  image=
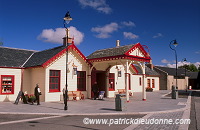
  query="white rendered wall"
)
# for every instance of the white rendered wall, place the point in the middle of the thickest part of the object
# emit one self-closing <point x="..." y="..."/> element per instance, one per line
<point x="17" y="83"/>
<point x="60" y="64"/>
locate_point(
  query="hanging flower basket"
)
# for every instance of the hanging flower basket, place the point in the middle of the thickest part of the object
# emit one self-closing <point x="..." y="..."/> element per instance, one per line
<point x="148" y="89"/>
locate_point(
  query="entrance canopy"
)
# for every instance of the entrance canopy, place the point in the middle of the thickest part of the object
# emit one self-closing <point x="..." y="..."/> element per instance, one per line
<point x="126" y="55"/>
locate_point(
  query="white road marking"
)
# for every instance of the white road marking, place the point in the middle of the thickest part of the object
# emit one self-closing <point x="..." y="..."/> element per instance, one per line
<point x="26" y="120"/>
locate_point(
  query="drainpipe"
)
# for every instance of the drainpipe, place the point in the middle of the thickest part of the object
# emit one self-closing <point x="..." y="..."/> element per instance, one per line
<point x="22" y="77"/>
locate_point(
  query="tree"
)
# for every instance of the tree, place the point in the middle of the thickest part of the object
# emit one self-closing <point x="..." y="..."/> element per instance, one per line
<point x="187" y="67"/>
<point x="190" y="67"/>
<point x="1" y="41"/>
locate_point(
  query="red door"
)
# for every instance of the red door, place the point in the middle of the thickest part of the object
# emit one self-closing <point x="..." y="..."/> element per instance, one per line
<point x="111" y="81"/>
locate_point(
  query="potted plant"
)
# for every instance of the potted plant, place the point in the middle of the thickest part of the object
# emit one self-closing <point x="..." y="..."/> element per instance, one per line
<point x="31" y="98"/>
<point x="149" y="89"/>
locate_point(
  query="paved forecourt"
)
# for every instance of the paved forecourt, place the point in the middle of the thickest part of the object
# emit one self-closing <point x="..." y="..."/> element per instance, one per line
<point x="155" y="102"/>
<point x="157" y="106"/>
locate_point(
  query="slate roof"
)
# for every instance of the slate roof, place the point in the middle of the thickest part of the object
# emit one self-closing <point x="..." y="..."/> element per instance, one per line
<point x="39" y="58"/>
<point x="148" y="71"/>
<point x="12" y="57"/>
<point x="172" y="71"/>
<point x="193" y="75"/>
<point x="116" y="51"/>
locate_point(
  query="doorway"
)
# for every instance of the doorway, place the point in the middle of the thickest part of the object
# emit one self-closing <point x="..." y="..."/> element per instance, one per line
<point x="100" y="77"/>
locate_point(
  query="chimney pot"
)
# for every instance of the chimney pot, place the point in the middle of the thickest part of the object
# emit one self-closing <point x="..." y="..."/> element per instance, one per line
<point x="117" y="43"/>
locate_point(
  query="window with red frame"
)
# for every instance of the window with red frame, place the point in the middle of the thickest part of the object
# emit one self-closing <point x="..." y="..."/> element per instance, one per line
<point x="140" y="80"/>
<point x="129" y="81"/>
<point x="148" y="83"/>
<point x="81" y="80"/>
<point x="153" y="83"/>
<point x="111" y="81"/>
<point x="54" y="81"/>
<point x="7" y="84"/>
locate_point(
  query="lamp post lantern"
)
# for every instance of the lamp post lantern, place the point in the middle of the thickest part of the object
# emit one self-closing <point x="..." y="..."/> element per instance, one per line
<point x="174" y="42"/>
<point x="66" y="21"/>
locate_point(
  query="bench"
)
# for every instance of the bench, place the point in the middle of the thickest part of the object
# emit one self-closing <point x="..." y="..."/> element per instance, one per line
<point x="73" y="95"/>
<point x="123" y="91"/>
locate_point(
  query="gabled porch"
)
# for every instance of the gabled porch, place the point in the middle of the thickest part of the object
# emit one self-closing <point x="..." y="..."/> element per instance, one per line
<point x="110" y="64"/>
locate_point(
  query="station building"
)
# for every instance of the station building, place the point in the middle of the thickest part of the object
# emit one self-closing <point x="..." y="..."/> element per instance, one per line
<point x="114" y="69"/>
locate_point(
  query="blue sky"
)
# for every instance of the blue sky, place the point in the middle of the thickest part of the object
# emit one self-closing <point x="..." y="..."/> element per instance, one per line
<point x="97" y="24"/>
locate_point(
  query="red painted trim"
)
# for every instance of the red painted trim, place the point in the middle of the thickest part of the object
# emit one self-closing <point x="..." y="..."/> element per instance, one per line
<point x="106" y="58"/>
<point x="52" y="91"/>
<point x="59" y="82"/>
<point x="111" y="78"/>
<point x="153" y="75"/>
<point x="136" y="58"/>
<point x="153" y="83"/>
<point x="144" y="99"/>
<point x="134" y="68"/>
<point x="11" y="67"/>
<point x="82" y="81"/>
<point x="79" y="52"/>
<point x="141" y="48"/>
<point x="72" y="47"/>
<point x="34" y="67"/>
<point x="48" y="62"/>
<point x="110" y="89"/>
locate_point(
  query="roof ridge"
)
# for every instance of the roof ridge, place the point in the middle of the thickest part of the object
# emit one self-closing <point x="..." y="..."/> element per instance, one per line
<point x="116" y="47"/>
<point x="18" y="48"/>
<point x="27" y="59"/>
<point x="51" y="48"/>
<point x="157" y="67"/>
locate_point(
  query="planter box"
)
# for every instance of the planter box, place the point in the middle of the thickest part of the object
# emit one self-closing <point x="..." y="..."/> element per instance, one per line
<point x="149" y="89"/>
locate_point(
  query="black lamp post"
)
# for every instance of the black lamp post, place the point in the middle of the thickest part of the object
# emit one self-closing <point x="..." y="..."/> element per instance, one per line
<point x="66" y="21"/>
<point x="175" y="44"/>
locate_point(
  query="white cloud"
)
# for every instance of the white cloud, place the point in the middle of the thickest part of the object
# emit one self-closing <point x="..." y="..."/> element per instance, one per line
<point x="197" y="52"/>
<point x="106" y="30"/>
<point x="180" y="63"/>
<point x="99" y="5"/>
<point x="55" y="36"/>
<point x="128" y="24"/>
<point x="197" y="64"/>
<point x="158" y="35"/>
<point x="130" y="35"/>
<point x="172" y="64"/>
<point x="165" y="61"/>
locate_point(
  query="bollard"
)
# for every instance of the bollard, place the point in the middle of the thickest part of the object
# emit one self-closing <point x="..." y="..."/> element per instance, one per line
<point x="174" y="92"/>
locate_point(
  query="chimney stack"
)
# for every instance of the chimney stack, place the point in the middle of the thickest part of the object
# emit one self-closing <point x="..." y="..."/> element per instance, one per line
<point x="117" y="43"/>
<point x="151" y="65"/>
<point x="65" y="42"/>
